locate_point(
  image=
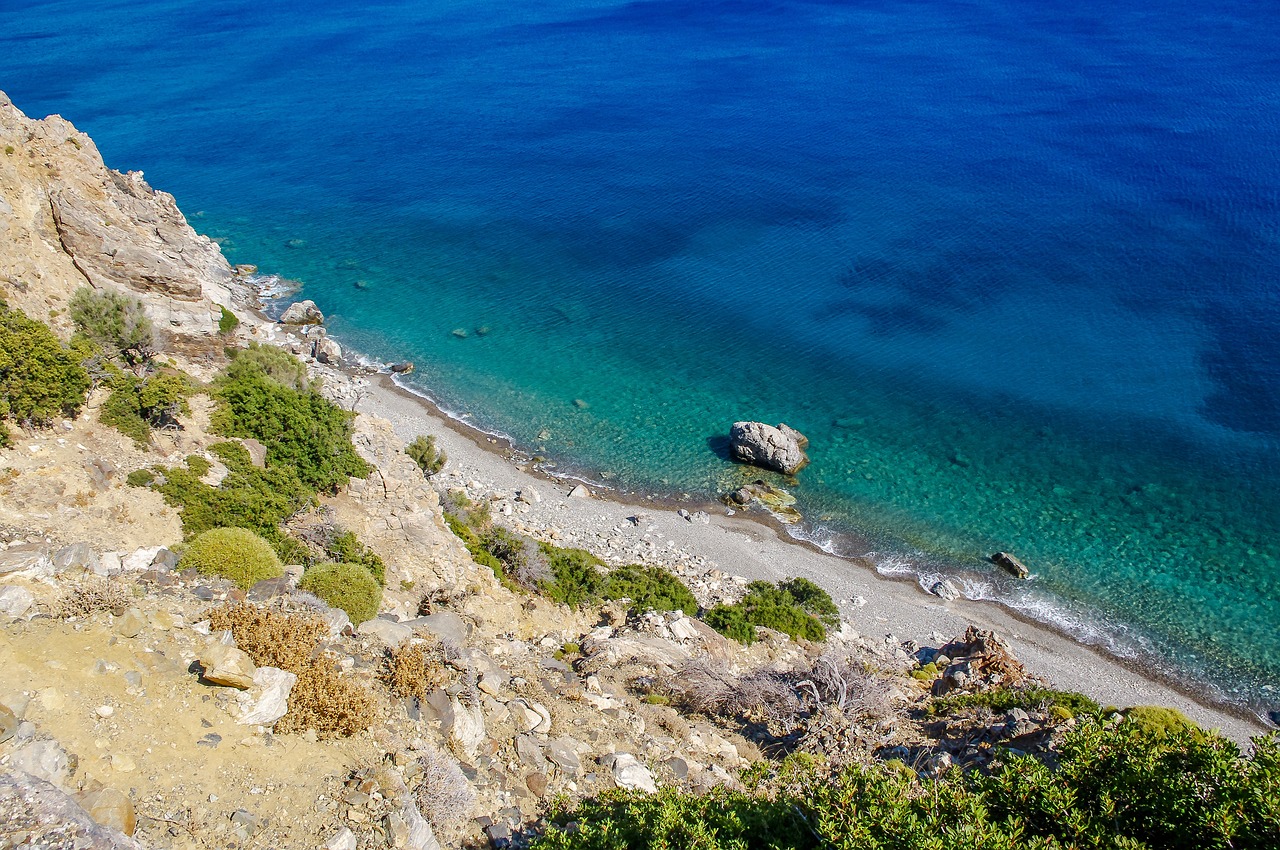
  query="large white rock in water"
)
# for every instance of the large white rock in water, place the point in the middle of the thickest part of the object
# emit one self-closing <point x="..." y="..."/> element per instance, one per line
<point x="762" y="445"/>
<point x="302" y="313"/>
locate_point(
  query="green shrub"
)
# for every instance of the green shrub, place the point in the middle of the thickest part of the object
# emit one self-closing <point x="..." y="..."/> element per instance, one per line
<point x="39" y="378"/>
<point x="227" y="322"/>
<point x="232" y="553"/>
<point x="774" y="607"/>
<point x="259" y="397"/>
<point x="345" y="547"/>
<point x="674" y="820"/>
<point x="1160" y="720"/>
<point x="345" y="586"/>
<point x="114" y="321"/>
<point x="576" y="578"/>
<point x="731" y="621"/>
<point x="136" y="406"/>
<point x="813" y="599"/>
<point x="423" y="451"/>
<point x="1121" y="788"/>
<point x="649" y="587"/>
<point x="459" y="526"/>
<point x="140" y="478"/>
<point x="1003" y="699"/>
<point x="198" y="465"/>
<point x="248" y="497"/>
<point x="276" y="363"/>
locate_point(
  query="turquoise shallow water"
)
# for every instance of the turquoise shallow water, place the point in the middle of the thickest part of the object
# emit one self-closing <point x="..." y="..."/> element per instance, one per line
<point x="1011" y="266"/>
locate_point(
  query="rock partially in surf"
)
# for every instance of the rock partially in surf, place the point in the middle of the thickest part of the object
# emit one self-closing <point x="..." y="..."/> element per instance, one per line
<point x="1011" y="565"/>
<point x="328" y="352"/>
<point x="244" y="269"/>
<point x="404" y="367"/>
<point x="762" y="445"/>
<point x="302" y="313"/>
<point x="945" y="589"/>
<point x="779" y="502"/>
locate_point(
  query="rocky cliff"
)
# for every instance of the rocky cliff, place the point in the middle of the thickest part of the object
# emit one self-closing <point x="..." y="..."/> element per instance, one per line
<point x="67" y="221"/>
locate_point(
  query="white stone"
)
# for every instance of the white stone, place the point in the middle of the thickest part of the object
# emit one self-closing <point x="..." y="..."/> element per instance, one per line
<point x="140" y="559"/>
<point x="104" y="711"/>
<point x="15" y="601"/>
<point x="344" y="839"/>
<point x="268" y="699"/>
<point x="629" y="773"/>
<point x="580" y="492"/>
<point x="468" y="726"/>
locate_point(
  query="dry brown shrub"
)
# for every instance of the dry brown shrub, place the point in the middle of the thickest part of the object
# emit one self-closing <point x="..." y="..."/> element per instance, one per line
<point x="92" y="594"/>
<point x="323" y="698"/>
<point x="415" y="669"/>
<point x="443" y="794"/>
<point x="272" y="637"/>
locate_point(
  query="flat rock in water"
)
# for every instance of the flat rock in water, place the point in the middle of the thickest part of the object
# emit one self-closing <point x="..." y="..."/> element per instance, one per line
<point x="1011" y="565"/>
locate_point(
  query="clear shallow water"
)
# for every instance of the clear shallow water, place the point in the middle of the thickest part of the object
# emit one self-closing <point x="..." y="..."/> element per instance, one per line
<point x="1012" y="266"/>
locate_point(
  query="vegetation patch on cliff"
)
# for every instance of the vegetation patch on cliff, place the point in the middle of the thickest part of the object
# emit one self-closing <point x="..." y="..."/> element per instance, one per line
<point x="1111" y="787"/>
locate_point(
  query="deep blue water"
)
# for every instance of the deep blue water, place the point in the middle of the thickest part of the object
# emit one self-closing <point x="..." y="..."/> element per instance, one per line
<point x="1011" y="265"/>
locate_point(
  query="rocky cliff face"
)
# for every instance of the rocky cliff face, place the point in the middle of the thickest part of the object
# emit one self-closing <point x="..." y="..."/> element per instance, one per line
<point x="67" y="221"/>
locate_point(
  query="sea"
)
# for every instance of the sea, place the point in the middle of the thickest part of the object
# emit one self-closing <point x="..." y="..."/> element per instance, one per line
<point x="1012" y="265"/>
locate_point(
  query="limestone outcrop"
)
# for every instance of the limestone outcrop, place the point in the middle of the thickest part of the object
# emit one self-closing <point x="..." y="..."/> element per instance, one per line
<point x="67" y="221"/>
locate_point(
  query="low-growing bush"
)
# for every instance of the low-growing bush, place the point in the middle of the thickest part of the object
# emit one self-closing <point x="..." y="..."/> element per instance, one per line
<point x="140" y="478"/>
<point x="731" y="621"/>
<point x="136" y="405"/>
<point x="248" y="497"/>
<point x="39" y="377"/>
<point x="236" y="554"/>
<point x="649" y="587"/>
<point x="323" y="699"/>
<point x="227" y="322"/>
<point x="346" y="586"/>
<point x="92" y="594"/>
<point x="576" y="579"/>
<point x="272" y="637"/>
<point x="345" y="547"/>
<point x="1160" y="720"/>
<point x="774" y="607"/>
<point x="1121" y="787"/>
<point x="443" y="794"/>
<point x="116" y="322"/>
<point x="423" y="451"/>
<point x="1003" y="699"/>
<point x="415" y="668"/>
<point x="259" y="396"/>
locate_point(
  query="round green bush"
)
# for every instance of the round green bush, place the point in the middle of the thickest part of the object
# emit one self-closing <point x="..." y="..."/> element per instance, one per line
<point x="346" y="586"/>
<point x="233" y="553"/>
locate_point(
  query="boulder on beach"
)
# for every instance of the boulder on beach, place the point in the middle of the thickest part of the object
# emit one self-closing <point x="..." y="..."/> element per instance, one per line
<point x="302" y="313"/>
<point x="780" y="448"/>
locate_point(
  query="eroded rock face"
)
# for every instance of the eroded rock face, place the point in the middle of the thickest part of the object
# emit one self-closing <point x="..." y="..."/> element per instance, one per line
<point x="780" y="448"/>
<point x="69" y="221"/>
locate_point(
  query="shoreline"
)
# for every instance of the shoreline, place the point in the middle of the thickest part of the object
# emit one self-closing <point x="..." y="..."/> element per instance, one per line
<point x="755" y="546"/>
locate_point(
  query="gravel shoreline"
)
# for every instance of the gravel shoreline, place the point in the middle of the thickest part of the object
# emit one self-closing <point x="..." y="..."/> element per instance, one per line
<point x="876" y="606"/>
